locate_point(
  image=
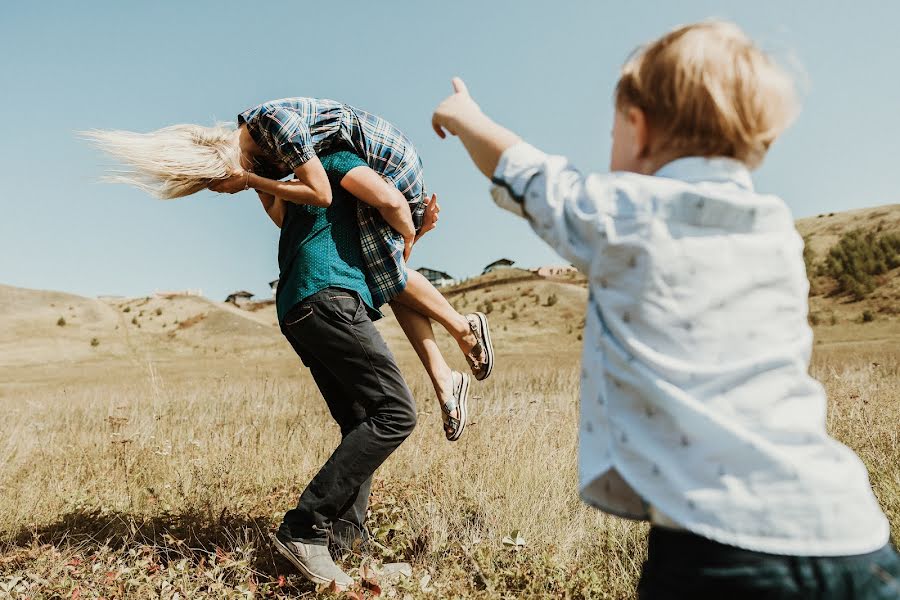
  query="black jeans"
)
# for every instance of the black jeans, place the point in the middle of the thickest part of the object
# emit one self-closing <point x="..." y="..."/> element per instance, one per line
<point x="367" y="396"/>
<point x="683" y="565"/>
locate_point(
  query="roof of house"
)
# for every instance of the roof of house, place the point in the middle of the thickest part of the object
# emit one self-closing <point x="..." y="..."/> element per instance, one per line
<point x="442" y="274"/>
<point x="501" y="261"/>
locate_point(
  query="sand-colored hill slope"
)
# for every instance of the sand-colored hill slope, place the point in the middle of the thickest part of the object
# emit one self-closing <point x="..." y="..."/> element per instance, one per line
<point x="821" y="234"/>
<point x="823" y="231"/>
<point x="530" y="316"/>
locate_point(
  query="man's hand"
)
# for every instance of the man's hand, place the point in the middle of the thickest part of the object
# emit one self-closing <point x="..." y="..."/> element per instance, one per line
<point x="407" y="247"/>
<point x="236" y="182"/>
<point x="456" y="108"/>
<point x="430" y="218"/>
<point x="429" y="222"/>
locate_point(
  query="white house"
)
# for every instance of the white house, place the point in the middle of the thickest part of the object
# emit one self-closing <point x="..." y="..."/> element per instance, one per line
<point x="437" y="278"/>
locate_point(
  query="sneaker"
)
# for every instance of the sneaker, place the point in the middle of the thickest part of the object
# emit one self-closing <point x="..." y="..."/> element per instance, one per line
<point x="453" y="426"/>
<point x="312" y="560"/>
<point x="481" y="358"/>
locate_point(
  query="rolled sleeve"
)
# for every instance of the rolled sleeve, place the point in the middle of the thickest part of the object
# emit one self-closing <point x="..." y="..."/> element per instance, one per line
<point x="289" y="136"/>
<point x="553" y="196"/>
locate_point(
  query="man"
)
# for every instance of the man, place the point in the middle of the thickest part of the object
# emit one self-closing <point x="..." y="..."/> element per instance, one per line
<point x="326" y="310"/>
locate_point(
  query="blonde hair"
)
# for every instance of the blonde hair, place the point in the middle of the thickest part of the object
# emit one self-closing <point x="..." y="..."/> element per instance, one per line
<point x="171" y="162"/>
<point x="707" y="90"/>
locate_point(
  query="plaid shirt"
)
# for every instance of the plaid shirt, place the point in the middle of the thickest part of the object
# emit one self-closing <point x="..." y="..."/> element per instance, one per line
<point x="293" y="130"/>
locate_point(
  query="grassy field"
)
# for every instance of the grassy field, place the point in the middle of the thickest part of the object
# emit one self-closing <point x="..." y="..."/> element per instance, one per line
<point x="151" y="465"/>
<point x="152" y="444"/>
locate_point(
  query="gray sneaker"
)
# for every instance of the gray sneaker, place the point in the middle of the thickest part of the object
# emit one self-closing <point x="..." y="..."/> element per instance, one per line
<point x="313" y="561"/>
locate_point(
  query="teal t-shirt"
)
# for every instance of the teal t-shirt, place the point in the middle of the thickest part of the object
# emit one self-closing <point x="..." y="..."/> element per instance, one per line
<point x="319" y="247"/>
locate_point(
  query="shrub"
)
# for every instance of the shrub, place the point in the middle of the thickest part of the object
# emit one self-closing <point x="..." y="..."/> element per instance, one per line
<point x="95" y="342"/>
<point x="514" y="315"/>
<point x="126" y="309"/>
<point x="488" y="307"/>
<point x="158" y="312"/>
<point x="813" y="318"/>
<point x="551" y="300"/>
<point x="858" y="258"/>
<point x="833" y="319"/>
<point x="61" y="322"/>
<point x="867" y="316"/>
<point x="134" y="321"/>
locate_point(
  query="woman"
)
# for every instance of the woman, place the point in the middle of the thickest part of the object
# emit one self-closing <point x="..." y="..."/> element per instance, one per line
<point x="280" y="138"/>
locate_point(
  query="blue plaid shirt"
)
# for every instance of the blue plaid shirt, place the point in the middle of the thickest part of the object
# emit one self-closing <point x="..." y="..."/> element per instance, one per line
<point x="293" y="130"/>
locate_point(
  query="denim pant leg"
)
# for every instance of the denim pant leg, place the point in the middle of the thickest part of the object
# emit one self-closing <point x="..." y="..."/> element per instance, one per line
<point x="348" y="526"/>
<point x="333" y="329"/>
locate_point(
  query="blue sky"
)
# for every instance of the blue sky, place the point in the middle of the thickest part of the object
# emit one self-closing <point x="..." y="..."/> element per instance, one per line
<point x="545" y="69"/>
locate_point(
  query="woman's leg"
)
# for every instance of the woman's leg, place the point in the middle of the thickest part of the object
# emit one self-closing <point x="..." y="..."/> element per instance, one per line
<point x="423" y="298"/>
<point x="418" y="330"/>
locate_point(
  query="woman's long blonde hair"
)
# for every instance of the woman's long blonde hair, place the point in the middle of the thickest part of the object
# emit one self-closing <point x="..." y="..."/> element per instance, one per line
<point x="171" y="162"/>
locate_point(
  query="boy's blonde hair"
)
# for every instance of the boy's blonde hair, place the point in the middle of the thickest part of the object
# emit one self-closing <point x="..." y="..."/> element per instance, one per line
<point x="174" y="161"/>
<point x="707" y="90"/>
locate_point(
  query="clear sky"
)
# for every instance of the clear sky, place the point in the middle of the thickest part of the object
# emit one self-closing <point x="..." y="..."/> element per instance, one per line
<point x="545" y="69"/>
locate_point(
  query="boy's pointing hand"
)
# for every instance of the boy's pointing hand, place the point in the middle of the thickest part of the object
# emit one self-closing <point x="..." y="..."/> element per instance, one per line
<point x="453" y="109"/>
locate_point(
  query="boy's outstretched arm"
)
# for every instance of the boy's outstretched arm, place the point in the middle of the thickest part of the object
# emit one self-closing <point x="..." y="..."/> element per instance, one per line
<point x="569" y="212"/>
<point x="484" y="139"/>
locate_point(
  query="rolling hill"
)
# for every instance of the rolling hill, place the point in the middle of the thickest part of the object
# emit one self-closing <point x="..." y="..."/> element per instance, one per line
<point x="42" y="331"/>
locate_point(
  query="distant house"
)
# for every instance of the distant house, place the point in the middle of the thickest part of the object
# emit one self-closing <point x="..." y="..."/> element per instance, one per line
<point x="176" y="293"/>
<point x="503" y="263"/>
<point x="437" y="278"/>
<point x="239" y="298"/>
<point x="274" y="286"/>
<point x="554" y="271"/>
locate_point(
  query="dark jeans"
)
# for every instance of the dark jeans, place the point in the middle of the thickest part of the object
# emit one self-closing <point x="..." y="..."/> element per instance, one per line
<point x="684" y="565"/>
<point x="367" y="396"/>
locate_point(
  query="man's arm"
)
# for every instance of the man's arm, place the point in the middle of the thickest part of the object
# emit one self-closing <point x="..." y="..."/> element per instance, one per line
<point x="368" y="187"/>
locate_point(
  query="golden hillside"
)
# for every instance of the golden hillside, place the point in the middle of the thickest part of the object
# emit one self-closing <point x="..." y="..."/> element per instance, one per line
<point x="822" y="233"/>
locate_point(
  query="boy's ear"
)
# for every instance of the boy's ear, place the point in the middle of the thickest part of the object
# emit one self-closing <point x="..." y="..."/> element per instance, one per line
<point x="640" y="132"/>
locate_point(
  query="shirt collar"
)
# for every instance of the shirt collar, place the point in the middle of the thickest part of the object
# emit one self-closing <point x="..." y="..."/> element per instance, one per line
<point x="697" y="168"/>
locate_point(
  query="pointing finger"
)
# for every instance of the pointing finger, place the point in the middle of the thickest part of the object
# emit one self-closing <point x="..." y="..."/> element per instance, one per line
<point x="459" y="86"/>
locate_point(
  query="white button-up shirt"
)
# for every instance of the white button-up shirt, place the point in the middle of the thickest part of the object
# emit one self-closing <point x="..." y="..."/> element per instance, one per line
<point x="697" y="409"/>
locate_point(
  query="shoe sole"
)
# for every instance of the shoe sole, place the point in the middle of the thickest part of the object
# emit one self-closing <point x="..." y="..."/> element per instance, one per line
<point x="462" y="406"/>
<point x="488" y="346"/>
<point x="304" y="570"/>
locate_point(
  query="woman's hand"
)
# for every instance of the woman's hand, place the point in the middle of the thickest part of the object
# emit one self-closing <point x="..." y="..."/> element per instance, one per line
<point x="236" y="182"/>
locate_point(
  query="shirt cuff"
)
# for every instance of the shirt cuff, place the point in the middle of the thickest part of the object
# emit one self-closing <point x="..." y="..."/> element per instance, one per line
<point x="518" y="165"/>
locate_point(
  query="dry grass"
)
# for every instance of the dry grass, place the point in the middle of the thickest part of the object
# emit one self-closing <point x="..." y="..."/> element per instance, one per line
<point x="165" y="478"/>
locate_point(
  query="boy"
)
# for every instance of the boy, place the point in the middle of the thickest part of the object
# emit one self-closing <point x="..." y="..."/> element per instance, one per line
<point x="697" y="411"/>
